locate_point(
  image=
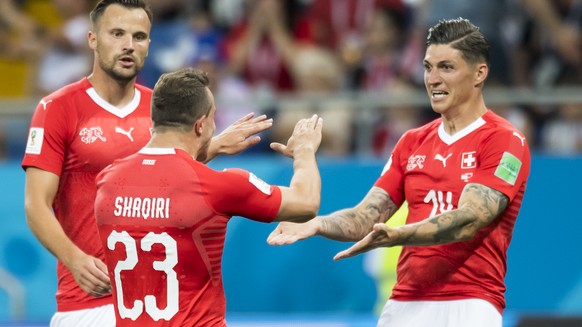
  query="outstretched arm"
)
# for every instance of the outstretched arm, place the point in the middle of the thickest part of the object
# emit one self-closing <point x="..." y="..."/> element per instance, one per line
<point x="300" y="201"/>
<point x="479" y="205"/>
<point x="344" y="225"/>
<point x="237" y="137"/>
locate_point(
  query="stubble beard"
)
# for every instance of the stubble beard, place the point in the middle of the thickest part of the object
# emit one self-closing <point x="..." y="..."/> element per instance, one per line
<point x="120" y="75"/>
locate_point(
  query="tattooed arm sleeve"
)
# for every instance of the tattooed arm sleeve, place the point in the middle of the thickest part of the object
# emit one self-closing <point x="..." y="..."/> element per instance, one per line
<point x="478" y="206"/>
<point x="355" y="223"/>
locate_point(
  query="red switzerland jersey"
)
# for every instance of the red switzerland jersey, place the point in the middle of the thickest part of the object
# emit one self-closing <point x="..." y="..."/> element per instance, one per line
<point x="162" y="218"/>
<point x="74" y="133"/>
<point x="429" y="169"/>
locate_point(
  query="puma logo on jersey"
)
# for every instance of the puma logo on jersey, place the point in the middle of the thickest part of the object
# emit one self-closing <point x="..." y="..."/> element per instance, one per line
<point x="438" y="156"/>
<point x="44" y="103"/>
<point x="124" y="132"/>
<point x="521" y="138"/>
<point x="91" y="134"/>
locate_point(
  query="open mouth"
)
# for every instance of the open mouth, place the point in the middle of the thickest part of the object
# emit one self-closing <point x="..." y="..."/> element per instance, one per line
<point x="439" y="94"/>
<point x="126" y="60"/>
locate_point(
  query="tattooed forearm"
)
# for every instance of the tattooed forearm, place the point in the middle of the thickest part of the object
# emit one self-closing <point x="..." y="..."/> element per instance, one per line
<point x="355" y="223"/>
<point x="478" y="206"/>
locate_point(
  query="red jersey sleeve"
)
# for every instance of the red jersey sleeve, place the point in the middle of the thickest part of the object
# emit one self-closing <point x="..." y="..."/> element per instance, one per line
<point x="47" y="137"/>
<point x="392" y="178"/>
<point x="504" y="162"/>
<point x="240" y="193"/>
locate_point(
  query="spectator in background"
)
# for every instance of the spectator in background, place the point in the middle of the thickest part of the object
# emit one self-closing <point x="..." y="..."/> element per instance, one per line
<point x="550" y="48"/>
<point x="339" y="25"/>
<point x="233" y="96"/>
<point x="260" y="47"/>
<point x="193" y="37"/>
<point x="19" y="33"/>
<point x="318" y="73"/>
<point x="488" y="15"/>
<point x="381" y="70"/>
<point x="393" y="121"/>
<point x="562" y="135"/>
<point x="66" y="57"/>
<point x="380" y="64"/>
<point x="20" y="47"/>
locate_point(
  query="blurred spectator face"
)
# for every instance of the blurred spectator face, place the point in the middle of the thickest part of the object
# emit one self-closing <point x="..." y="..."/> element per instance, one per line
<point x="571" y="111"/>
<point x="121" y="41"/>
<point x="71" y="8"/>
<point x="381" y="32"/>
<point x="317" y="70"/>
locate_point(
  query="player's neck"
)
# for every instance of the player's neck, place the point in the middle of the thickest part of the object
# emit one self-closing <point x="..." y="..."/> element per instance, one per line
<point x="456" y="120"/>
<point x="176" y="140"/>
<point x="117" y="93"/>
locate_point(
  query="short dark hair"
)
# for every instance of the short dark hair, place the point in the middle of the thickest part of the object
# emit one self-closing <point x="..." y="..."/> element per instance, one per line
<point x="100" y="7"/>
<point x="462" y="35"/>
<point x="180" y="98"/>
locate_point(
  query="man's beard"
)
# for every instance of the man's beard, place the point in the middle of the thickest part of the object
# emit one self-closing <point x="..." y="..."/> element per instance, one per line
<point x="116" y="74"/>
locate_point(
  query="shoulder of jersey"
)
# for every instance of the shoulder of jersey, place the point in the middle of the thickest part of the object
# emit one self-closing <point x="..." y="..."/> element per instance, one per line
<point x="143" y="89"/>
<point x="427" y="128"/>
<point x="63" y="94"/>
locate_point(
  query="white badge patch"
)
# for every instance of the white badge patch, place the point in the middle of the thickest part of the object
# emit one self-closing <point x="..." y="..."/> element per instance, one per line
<point x="260" y="184"/>
<point x="35" y="139"/>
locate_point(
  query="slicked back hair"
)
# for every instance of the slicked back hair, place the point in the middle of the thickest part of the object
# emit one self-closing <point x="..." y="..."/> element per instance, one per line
<point x="462" y="35"/>
<point x="100" y="7"/>
<point x="180" y="98"/>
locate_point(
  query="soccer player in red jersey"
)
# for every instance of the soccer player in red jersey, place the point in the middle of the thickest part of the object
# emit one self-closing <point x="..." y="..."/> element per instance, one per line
<point x="77" y="131"/>
<point x="463" y="175"/>
<point x="162" y="215"/>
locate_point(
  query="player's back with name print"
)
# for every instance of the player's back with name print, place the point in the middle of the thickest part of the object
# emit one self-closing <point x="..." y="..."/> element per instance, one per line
<point x="150" y="190"/>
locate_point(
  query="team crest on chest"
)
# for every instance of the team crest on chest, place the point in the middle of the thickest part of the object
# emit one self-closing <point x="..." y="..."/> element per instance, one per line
<point x="415" y="161"/>
<point x="92" y="134"/>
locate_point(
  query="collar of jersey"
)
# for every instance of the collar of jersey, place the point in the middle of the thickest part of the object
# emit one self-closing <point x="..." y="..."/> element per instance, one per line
<point x="450" y="139"/>
<point x="119" y="112"/>
<point x="157" y="151"/>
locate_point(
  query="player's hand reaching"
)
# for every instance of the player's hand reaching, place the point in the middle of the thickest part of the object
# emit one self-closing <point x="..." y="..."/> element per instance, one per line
<point x="91" y="275"/>
<point x="237" y="137"/>
<point x="306" y="135"/>
<point x="289" y="233"/>
<point x="378" y="237"/>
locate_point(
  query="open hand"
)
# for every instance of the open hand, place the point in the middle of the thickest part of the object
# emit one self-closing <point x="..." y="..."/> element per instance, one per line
<point x="238" y="137"/>
<point x="307" y="134"/>
<point x="378" y="237"/>
<point x="289" y="233"/>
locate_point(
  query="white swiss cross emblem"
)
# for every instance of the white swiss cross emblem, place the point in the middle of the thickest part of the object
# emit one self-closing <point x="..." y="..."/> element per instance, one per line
<point x="468" y="160"/>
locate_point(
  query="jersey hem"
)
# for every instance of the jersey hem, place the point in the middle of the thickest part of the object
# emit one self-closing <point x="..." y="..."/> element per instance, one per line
<point x="449" y="297"/>
<point x="93" y="303"/>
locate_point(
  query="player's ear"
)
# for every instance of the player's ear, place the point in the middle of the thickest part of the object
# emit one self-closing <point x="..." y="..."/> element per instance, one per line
<point x="199" y="125"/>
<point x="92" y="40"/>
<point x="481" y="74"/>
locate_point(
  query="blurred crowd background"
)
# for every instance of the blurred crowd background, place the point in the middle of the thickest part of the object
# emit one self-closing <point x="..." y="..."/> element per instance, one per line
<point x="358" y="63"/>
